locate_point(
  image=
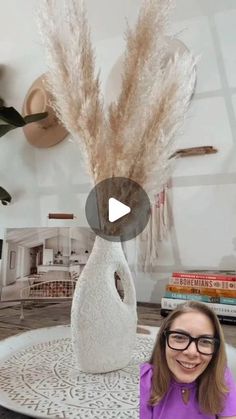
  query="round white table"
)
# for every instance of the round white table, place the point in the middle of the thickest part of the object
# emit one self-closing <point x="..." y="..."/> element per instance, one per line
<point x="39" y="378"/>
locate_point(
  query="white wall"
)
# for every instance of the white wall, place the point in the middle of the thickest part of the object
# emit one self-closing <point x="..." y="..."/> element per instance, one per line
<point x="203" y="193"/>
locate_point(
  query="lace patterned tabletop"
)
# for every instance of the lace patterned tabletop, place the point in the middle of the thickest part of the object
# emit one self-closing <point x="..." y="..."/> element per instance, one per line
<point x="38" y="377"/>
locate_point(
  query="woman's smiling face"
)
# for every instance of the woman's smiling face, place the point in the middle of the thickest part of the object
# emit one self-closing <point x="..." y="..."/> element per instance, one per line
<point x="186" y="366"/>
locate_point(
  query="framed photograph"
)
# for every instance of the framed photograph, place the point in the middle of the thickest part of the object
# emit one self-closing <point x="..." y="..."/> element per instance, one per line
<point x="31" y="258"/>
<point x="12" y="259"/>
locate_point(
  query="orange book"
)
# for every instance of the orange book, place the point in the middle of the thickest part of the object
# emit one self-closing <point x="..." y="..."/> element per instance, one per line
<point x="211" y="292"/>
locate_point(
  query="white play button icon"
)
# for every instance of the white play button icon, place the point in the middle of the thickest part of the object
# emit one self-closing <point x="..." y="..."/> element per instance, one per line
<point x="117" y="210"/>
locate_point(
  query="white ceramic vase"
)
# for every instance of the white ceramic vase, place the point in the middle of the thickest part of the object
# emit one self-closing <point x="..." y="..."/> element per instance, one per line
<point x="103" y="326"/>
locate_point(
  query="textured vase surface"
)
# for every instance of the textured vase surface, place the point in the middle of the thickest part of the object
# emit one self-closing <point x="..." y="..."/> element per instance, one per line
<point x="103" y="326"/>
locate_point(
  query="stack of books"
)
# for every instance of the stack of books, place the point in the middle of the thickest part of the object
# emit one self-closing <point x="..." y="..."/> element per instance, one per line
<point x="216" y="289"/>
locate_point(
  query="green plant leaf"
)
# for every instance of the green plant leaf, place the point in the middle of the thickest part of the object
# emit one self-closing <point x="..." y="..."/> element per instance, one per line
<point x="14" y="120"/>
<point x="4" y="129"/>
<point x="35" y="117"/>
<point x="5" y="197"/>
<point x="11" y="116"/>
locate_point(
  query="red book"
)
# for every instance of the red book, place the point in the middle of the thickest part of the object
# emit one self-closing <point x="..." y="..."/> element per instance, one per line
<point x="205" y="275"/>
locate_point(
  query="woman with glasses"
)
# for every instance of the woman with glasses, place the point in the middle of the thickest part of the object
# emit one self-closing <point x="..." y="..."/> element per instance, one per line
<point x="187" y="376"/>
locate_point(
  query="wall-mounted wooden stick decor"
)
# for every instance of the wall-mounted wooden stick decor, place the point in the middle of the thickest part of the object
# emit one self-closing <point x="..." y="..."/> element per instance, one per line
<point x="61" y="216"/>
<point x="194" y="151"/>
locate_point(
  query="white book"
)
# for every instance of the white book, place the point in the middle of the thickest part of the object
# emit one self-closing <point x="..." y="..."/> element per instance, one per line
<point x="219" y="309"/>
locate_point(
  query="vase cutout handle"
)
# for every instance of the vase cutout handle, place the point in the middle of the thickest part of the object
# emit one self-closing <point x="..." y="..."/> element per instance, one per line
<point x="126" y="278"/>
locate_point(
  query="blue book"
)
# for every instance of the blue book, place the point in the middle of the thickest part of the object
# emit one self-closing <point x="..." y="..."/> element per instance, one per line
<point x="203" y="298"/>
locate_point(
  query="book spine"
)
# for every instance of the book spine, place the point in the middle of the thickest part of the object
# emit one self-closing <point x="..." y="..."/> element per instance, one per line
<point x="219" y="309"/>
<point x="198" y="297"/>
<point x="203" y="283"/>
<point x="212" y="292"/>
<point x="195" y="275"/>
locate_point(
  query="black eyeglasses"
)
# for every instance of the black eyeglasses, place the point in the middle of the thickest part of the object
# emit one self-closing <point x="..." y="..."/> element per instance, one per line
<point x="180" y="341"/>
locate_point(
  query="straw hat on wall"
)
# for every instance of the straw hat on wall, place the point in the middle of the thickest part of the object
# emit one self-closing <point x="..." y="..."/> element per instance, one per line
<point x="48" y="131"/>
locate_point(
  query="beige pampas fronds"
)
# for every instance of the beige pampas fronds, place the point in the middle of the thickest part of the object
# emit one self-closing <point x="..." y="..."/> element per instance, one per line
<point x="71" y="80"/>
<point x="136" y="138"/>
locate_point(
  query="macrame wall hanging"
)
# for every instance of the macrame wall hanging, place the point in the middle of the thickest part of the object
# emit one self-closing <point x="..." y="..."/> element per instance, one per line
<point x="161" y="220"/>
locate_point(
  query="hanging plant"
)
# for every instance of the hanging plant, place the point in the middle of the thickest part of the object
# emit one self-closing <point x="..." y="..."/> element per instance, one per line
<point x="5" y="197"/>
<point x="11" y="119"/>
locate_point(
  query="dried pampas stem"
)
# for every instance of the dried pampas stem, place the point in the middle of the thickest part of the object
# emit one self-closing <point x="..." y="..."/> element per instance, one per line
<point x="135" y="139"/>
<point x="71" y="76"/>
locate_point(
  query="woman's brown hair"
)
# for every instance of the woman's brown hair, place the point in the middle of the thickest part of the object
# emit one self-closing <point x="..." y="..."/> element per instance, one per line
<point x="211" y="385"/>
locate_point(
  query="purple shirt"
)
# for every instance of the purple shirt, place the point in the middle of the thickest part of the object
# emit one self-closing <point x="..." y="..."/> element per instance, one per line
<point x="172" y="405"/>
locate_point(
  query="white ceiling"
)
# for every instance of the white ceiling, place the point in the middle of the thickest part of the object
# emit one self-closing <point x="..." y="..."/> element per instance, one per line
<point x="31" y="237"/>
